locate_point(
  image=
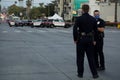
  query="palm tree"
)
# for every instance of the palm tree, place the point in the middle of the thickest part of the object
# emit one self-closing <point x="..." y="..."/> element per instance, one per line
<point x="0" y="5"/>
<point x="116" y="2"/>
<point x="28" y="3"/>
<point x="15" y="2"/>
<point x="41" y="4"/>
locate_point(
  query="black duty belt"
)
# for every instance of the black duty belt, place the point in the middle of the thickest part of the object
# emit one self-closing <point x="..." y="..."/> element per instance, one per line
<point x="86" y="34"/>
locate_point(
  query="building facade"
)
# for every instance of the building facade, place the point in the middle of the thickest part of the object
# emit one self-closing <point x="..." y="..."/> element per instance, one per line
<point x="107" y="9"/>
<point x="72" y="8"/>
<point x="64" y="8"/>
<point x="68" y="8"/>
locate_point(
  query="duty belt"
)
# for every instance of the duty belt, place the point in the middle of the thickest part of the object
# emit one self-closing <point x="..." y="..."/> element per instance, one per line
<point x="86" y="34"/>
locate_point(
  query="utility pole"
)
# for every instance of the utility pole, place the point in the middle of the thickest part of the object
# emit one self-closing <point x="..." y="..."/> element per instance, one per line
<point x="0" y="5"/>
<point x="28" y="3"/>
<point x="63" y="9"/>
<point x="116" y="1"/>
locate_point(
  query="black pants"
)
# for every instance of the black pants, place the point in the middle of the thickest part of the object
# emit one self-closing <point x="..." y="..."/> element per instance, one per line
<point x="99" y="55"/>
<point x="85" y="45"/>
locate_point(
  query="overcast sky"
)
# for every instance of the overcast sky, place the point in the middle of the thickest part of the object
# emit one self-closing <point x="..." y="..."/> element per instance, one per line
<point x="6" y="3"/>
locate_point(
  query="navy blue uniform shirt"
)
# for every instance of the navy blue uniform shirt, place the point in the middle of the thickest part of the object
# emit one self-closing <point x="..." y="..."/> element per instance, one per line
<point x="85" y="23"/>
<point x="100" y="24"/>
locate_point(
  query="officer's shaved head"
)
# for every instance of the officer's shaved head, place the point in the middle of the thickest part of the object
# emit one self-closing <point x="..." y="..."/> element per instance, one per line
<point x="96" y="12"/>
<point x="85" y="8"/>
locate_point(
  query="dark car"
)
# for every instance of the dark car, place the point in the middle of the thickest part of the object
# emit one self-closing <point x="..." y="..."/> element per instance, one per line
<point x="44" y="23"/>
<point x="27" y="22"/>
<point x="30" y="22"/>
<point x="19" y="23"/>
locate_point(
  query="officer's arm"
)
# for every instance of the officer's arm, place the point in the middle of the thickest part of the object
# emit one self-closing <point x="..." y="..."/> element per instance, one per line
<point x="95" y="31"/>
<point x="101" y="27"/>
<point x="75" y="31"/>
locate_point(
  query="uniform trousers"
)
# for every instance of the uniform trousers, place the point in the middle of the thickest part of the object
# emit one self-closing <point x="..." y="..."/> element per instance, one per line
<point x="99" y="55"/>
<point x="85" y="45"/>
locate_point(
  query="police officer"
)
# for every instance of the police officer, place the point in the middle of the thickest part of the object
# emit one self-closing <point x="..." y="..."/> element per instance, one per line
<point x="99" y="55"/>
<point x="84" y="36"/>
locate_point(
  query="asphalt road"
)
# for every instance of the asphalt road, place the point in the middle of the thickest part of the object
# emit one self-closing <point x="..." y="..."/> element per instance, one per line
<point x="49" y="54"/>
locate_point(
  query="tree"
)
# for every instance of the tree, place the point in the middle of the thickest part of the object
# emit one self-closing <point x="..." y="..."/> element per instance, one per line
<point x="41" y="4"/>
<point x="28" y="3"/>
<point x="14" y="10"/>
<point x="35" y="13"/>
<point x="50" y="9"/>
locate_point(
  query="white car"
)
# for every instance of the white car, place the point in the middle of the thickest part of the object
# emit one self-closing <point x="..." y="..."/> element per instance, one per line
<point x="56" y="23"/>
<point x="36" y="23"/>
<point x="11" y="23"/>
<point x="59" y="22"/>
<point x="12" y="20"/>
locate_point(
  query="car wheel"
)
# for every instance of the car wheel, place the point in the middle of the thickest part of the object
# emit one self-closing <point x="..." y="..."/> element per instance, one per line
<point x="10" y="25"/>
<point x="41" y="26"/>
<point x="52" y="26"/>
<point x="16" y="25"/>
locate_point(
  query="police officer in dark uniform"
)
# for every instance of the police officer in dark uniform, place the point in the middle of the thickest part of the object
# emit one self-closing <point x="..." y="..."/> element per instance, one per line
<point x="99" y="55"/>
<point x="84" y="31"/>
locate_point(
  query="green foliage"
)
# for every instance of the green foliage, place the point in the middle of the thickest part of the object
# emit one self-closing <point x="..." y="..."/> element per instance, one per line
<point x="15" y="10"/>
<point x="35" y="12"/>
<point x="28" y="3"/>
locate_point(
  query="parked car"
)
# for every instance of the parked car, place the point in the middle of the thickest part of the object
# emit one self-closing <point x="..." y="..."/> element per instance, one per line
<point x="12" y="19"/>
<point x="55" y="23"/>
<point x="44" y="23"/>
<point x="30" y="22"/>
<point x="68" y="24"/>
<point x="19" y="23"/>
<point x="27" y="22"/>
<point x="36" y="23"/>
<point x="11" y="23"/>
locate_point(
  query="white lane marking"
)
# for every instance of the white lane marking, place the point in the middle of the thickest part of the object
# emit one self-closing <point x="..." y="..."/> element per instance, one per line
<point x="4" y="31"/>
<point x="41" y="31"/>
<point x="65" y="31"/>
<point x="17" y="31"/>
<point x="112" y="31"/>
<point x="30" y="31"/>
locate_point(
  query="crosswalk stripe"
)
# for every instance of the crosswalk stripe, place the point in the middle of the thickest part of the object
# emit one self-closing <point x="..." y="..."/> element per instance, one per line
<point x="29" y="31"/>
<point x="112" y="31"/>
<point x="5" y="31"/>
<point x="17" y="31"/>
<point x="40" y="31"/>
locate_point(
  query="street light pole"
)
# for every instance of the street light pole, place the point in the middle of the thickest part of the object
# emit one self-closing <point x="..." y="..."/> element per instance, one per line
<point x="28" y="3"/>
<point x="63" y="10"/>
<point x="116" y="1"/>
<point x="0" y="5"/>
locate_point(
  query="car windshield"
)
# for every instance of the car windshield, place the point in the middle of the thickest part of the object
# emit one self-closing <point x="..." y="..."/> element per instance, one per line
<point x="39" y="20"/>
<point x="58" y="20"/>
<point x="61" y="20"/>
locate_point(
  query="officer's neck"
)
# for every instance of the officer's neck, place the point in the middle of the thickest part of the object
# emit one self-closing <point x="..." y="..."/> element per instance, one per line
<point x="85" y="13"/>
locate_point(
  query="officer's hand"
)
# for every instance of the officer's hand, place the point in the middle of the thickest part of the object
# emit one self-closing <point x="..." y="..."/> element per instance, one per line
<point x="94" y="42"/>
<point x="101" y="29"/>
